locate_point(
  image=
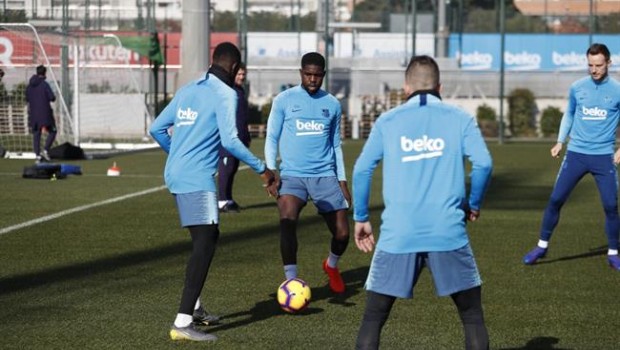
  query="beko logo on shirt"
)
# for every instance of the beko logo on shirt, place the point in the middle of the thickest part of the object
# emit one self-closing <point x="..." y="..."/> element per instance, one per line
<point x="593" y="113"/>
<point x="309" y="128"/>
<point x="186" y="116"/>
<point x="425" y="146"/>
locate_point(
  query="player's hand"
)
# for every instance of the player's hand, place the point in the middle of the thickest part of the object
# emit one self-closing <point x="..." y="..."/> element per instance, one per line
<point x="364" y="239"/>
<point x="345" y="192"/>
<point x="473" y="215"/>
<point x="273" y="187"/>
<point x="617" y="157"/>
<point x="555" y="150"/>
<point x="268" y="178"/>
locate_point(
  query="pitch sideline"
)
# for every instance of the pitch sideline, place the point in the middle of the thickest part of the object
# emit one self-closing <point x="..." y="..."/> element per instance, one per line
<point x="78" y="209"/>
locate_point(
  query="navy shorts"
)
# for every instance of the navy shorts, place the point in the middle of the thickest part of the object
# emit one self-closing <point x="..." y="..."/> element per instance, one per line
<point x="325" y="192"/>
<point x="397" y="274"/>
<point x="197" y="208"/>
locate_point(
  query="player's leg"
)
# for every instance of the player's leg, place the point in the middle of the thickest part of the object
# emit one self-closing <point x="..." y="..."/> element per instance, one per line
<point x="232" y="205"/>
<point x="204" y="240"/>
<point x="198" y="212"/>
<point x="36" y="141"/>
<point x="224" y="181"/>
<point x="606" y="176"/>
<point x="376" y="313"/>
<point x="456" y="274"/>
<point x="292" y="199"/>
<point x="390" y="276"/>
<point x="571" y="171"/>
<point x="469" y="306"/>
<point x="328" y="198"/>
<point x="49" y="141"/>
<point x="338" y="224"/>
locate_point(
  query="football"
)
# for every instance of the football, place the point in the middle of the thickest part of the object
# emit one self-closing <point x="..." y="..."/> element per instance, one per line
<point x="294" y="295"/>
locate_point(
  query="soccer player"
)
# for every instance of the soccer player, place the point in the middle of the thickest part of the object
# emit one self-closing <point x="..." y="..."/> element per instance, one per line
<point x="201" y="116"/>
<point x="591" y="121"/>
<point x="228" y="164"/>
<point x="422" y="144"/>
<point x="304" y="123"/>
<point x="39" y="95"/>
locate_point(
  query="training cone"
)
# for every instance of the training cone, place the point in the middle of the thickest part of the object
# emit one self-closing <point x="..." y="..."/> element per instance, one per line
<point x="114" y="170"/>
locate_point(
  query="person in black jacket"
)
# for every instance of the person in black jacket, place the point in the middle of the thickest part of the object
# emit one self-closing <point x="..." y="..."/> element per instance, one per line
<point x="39" y="95"/>
<point x="228" y="164"/>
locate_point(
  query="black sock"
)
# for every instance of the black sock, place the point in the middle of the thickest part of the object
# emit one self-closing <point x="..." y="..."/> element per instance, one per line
<point x="288" y="241"/>
<point x="378" y="307"/>
<point x="469" y="305"/>
<point x="204" y="239"/>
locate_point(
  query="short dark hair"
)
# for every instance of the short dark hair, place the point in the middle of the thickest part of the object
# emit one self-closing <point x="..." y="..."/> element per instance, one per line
<point x="41" y="70"/>
<point x="422" y="73"/>
<point x="226" y="52"/>
<point x="597" y="48"/>
<point x="242" y="66"/>
<point x="313" y="58"/>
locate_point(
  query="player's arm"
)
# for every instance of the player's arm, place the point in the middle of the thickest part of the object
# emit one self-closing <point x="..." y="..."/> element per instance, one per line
<point x="161" y="125"/>
<point x="371" y="155"/>
<point x="338" y="154"/>
<point x="566" y="124"/>
<point x="475" y="149"/>
<point x="50" y="94"/>
<point x="226" y="115"/>
<point x="275" y="124"/>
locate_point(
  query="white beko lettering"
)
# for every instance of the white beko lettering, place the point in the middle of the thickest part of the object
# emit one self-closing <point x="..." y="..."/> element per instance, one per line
<point x="309" y="128"/>
<point x="425" y="146"/>
<point x="593" y="113"/>
<point x="186" y="116"/>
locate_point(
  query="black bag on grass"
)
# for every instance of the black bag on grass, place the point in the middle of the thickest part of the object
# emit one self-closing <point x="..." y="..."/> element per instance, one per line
<point x="43" y="171"/>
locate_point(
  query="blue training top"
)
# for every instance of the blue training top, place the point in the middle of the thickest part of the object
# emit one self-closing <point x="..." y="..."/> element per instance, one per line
<point x="307" y="130"/>
<point x="591" y="117"/>
<point x="201" y="114"/>
<point x="423" y="144"/>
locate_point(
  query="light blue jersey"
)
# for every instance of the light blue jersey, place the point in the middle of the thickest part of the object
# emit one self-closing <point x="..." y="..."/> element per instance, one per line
<point x="306" y="128"/>
<point x="591" y="117"/>
<point x="422" y="144"/>
<point x="190" y="129"/>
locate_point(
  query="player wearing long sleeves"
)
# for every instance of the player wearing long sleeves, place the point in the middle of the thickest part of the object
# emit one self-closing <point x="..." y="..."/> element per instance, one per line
<point x="190" y="129"/>
<point x="304" y="128"/>
<point x="590" y="122"/>
<point x="422" y="144"/>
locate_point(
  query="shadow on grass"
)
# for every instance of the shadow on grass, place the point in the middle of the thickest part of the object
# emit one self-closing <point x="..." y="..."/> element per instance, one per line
<point x="593" y="252"/>
<point x="109" y="264"/>
<point x="540" y="343"/>
<point x="265" y="309"/>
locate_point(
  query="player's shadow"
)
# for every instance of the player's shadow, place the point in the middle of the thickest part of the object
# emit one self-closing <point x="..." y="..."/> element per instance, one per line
<point x="593" y="252"/>
<point x="540" y="343"/>
<point x="265" y="309"/>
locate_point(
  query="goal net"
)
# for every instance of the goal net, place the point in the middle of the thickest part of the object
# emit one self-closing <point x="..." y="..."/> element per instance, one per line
<point x="100" y="100"/>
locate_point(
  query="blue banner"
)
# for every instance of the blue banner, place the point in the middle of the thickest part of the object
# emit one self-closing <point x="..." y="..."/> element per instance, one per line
<point x="529" y="52"/>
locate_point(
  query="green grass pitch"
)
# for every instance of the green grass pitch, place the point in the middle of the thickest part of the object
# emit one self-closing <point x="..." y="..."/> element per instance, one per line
<point x="109" y="276"/>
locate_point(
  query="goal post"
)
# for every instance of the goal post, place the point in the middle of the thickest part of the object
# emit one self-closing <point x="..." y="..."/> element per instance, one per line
<point x="100" y="100"/>
<point x="22" y="50"/>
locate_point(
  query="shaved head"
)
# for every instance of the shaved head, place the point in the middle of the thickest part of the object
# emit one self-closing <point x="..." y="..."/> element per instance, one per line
<point x="422" y="74"/>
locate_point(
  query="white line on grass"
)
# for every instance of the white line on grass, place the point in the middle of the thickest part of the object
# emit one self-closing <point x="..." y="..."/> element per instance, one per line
<point x="78" y="209"/>
<point x="85" y="207"/>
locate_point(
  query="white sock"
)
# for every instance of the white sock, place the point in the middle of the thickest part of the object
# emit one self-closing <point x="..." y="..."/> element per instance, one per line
<point x="543" y="244"/>
<point x="332" y="260"/>
<point x="197" y="306"/>
<point x="183" y="320"/>
<point x="290" y="271"/>
<point x="612" y="252"/>
<point x="221" y="204"/>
